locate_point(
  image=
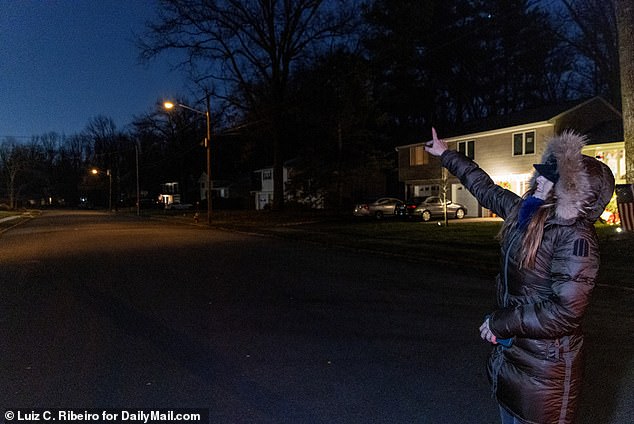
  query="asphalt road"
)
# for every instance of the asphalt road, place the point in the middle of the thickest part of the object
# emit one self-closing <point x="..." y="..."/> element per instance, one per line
<point x="104" y="311"/>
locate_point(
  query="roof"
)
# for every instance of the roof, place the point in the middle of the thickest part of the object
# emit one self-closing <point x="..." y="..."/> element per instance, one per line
<point x="609" y="130"/>
<point x="606" y="132"/>
<point x="541" y="114"/>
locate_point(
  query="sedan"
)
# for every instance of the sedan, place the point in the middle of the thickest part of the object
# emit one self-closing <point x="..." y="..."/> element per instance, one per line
<point x="432" y="207"/>
<point x="379" y="208"/>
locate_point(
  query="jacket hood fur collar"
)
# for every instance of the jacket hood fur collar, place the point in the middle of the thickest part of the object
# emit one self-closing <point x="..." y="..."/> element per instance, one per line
<point x="585" y="184"/>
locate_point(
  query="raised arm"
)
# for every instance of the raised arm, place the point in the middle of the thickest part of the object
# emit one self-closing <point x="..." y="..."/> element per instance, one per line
<point x="478" y="182"/>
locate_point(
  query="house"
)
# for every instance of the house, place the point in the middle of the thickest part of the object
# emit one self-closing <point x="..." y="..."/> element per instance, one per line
<point x="263" y="193"/>
<point x="225" y="194"/>
<point x="506" y="147"/>
<point x="220" y="189"/>
<point x="170" y="193"/>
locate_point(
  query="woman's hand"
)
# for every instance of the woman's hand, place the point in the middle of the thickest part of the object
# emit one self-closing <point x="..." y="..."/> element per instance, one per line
<point x="486" y="334"/>
<point x="435" y="146"/>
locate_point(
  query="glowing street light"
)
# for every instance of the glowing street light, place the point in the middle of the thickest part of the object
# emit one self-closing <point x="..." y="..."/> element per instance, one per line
<point x="96" y="171"/>
<point x="169" y="106"/>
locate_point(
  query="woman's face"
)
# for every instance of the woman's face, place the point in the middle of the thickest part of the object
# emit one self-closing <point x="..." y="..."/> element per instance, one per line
<point x="544" y="186"/>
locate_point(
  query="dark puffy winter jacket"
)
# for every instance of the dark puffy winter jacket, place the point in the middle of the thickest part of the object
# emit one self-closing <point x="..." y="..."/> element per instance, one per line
<point x="538" y="378"/>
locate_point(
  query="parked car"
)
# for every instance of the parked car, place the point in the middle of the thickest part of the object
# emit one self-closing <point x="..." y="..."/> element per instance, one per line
<point x="432" y="207"/>
<point x="379" y="208"/>
<point x="401" y="210"/>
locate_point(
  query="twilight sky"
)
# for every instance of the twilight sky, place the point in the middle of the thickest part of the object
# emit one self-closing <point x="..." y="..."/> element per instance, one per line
<point x="63" y="62"/>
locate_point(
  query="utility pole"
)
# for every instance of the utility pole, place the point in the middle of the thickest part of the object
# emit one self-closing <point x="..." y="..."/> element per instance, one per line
<point x="208" y="147"/>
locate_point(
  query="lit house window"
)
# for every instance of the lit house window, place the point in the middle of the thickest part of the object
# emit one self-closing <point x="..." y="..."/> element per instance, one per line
<point x="418" y="156"/>
<point x="467" y="148"/>
<point x="267" y="174"/>
<point x="524" y="143"/>
<point x="615" y="160"/>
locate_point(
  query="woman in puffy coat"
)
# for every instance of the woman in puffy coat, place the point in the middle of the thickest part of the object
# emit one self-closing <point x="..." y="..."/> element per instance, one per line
<point x="549" y="263"/>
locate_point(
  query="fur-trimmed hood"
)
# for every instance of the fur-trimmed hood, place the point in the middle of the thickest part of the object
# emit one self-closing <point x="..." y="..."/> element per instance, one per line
<point x="585" y="185"/>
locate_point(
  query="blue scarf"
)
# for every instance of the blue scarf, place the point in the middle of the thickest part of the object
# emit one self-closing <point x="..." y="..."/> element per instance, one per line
<point x="527" y="210"/>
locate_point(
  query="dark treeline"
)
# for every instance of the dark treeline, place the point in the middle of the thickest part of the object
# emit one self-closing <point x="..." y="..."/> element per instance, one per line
<point x="332" y="85"/>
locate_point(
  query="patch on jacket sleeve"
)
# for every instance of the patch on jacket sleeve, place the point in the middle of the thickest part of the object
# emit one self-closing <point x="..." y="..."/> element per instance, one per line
<point x="581" y="248"/>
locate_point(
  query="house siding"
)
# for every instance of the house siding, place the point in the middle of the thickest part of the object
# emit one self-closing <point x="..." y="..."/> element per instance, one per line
<point x="494" y="153"/>
<point x="493" y="149"/>
<point x="408" y="172"/>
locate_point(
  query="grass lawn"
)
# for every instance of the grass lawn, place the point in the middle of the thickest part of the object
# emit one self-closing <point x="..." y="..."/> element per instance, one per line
<point x="617" y="256"/>
<point x="469" y="244"/>
<point x="6" y="219"/>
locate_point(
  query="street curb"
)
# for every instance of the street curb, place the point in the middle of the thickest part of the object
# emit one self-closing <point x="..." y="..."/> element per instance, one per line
<point x="24" y="217"/>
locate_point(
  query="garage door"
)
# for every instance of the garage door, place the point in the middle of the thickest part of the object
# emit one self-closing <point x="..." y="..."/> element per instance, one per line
<point x="461" y="195"/>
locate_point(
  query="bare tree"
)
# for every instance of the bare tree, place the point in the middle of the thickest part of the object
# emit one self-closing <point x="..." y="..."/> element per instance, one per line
<point x="102" y="133"/>
<point x="76" y="150"/>
<point x="590" y="29"/>
<point x="625" y="21"/>
<point x="248" y="48"/>
<point x="49" y="146"/>
<point x="108" y="145"/>
<point x="604" y="37"/>
<point x="13" y="162"/>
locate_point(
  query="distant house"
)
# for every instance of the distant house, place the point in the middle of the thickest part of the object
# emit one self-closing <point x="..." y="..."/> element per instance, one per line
<point x="506" y="147"/>
<point x="170" y="193"/>
<point x="220" y="189"/>
<point x="225" y="194"/>
<point x="263" y="190"/>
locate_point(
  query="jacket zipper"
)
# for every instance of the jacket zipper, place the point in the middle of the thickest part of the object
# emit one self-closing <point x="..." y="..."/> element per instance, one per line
<point x="497" y="360"/>
<point x="506" y="267"/>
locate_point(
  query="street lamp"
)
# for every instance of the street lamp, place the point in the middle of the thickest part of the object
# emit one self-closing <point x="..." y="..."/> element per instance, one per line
<point x="96" y="171"/>
<point x="169" y="105"/>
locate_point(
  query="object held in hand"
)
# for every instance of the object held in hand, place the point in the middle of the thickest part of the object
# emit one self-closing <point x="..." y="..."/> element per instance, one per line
<point x="505" y="342"/>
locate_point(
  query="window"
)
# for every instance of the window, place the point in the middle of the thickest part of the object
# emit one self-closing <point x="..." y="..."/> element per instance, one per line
<point x="467" y="148"/>
<point x="529" y="143"/>
<point x="418" y="156"/>
<point x="267" y="174"/>
<point x="524" y="143"/>
<point x="170" y="188"/>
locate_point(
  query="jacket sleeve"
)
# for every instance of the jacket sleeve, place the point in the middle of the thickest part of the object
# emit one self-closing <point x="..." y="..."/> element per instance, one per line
<point x="478" y="182"/>
<point x="573" y="273"/>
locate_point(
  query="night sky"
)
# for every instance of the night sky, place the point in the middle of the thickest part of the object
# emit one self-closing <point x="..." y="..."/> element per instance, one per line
<point x="64" y="62"/>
